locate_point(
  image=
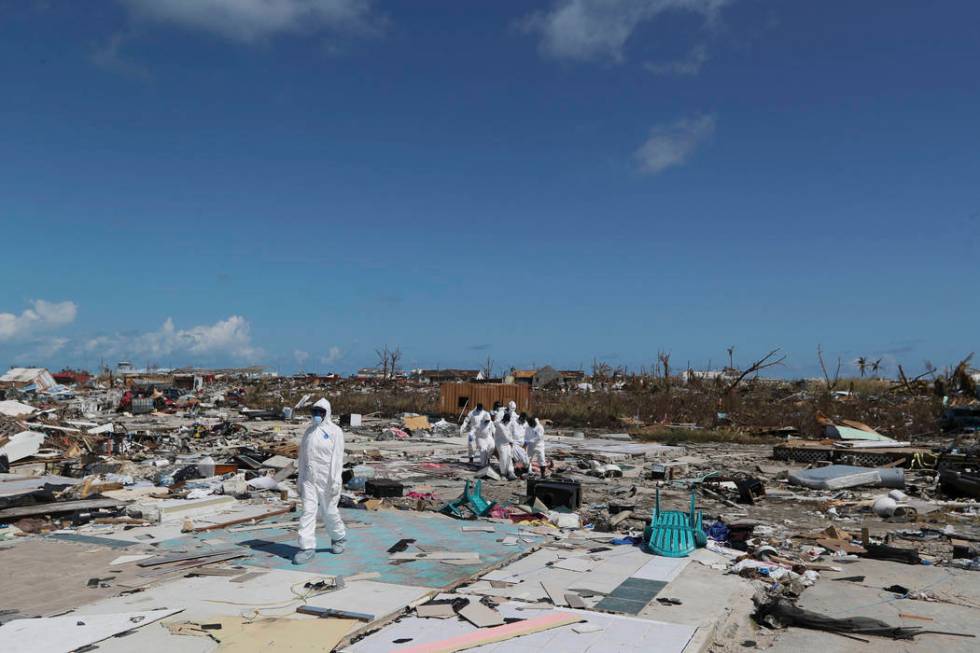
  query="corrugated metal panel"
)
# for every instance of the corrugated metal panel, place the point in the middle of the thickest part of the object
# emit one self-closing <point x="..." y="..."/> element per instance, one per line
<point x="141" y="405"/>
<point x="455" y="398"/>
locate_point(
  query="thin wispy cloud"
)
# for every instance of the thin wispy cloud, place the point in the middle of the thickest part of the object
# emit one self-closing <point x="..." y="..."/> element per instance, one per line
<point x="333" y="355"/>
<point x="596" y="30"/>
<point x="109" y="57"/>
<point x="689" y="66"/>
<point x="673" y="144"/>
<point x="250" y="21"/>
<point x="244" y="22"/>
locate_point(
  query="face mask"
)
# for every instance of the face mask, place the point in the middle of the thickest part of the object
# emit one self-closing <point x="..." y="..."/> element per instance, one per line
<point x="317" y="419"/>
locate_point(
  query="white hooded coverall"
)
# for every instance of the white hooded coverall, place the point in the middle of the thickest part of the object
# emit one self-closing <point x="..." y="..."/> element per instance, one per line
<point x="502" y="440"/>
<point x="483" y="437"/>
<point x="534" y="442"/>
<point x="473" y="418"/>
<point x="520" y="455"/>
<point x="321" y="462"/>
<point x="518" y="431"/>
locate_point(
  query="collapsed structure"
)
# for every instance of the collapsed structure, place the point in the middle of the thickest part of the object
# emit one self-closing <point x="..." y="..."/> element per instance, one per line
<point x="158" y="510"/>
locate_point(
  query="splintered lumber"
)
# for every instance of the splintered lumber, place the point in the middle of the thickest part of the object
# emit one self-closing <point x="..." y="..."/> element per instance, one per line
<point x="190" y="564"/>
<point x="59" y="506"/>
<point x="245" y="520"/>
<point x="181" y="557"/>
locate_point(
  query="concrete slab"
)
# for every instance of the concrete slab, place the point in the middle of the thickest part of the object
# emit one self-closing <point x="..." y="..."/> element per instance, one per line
<point x="531" y="573"/>
<point x="207" y="598"/>
<point x="954" y="585"/>
<point x="380" y="599"/>
<point x="663" y="569"/>
<point x="48" y="577"/>
<point x="840" y="599"/>
<point x="615" y="633"/>
<point x="710" y="602"/>
<point x="59" y="634"/>
<point x="369" y="535"/>
<point x="203" y="596"/>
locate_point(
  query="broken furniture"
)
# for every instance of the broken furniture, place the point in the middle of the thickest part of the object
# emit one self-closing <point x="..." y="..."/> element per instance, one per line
<point x="471" y="499"/>
<point x="555" y="493"/>
<point x="674" y="533"/>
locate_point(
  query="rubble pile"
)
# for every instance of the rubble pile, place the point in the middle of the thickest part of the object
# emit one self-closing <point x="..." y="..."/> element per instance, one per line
<point x="169" y="515"/>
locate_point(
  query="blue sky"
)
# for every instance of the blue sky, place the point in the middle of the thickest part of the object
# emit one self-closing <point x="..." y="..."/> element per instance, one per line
<point x="297" y="182"/>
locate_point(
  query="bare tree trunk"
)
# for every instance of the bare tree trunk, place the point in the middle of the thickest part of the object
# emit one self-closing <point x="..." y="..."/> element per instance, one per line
<point x="664" y="358"/>
<point x="831" y="384"/>
<point x="766" y="361"/>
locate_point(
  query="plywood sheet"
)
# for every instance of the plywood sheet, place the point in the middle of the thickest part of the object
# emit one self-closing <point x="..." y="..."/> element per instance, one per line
<point x="60" y="634"/>
<point x="261" y="635"/>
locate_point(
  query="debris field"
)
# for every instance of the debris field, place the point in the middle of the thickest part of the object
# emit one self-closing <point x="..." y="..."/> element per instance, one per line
<point x="166" y="520"/>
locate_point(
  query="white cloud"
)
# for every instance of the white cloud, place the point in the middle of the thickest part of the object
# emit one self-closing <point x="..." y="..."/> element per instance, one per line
<point x="110" y="57"/>
<point x="41" y="316"/>
<point x="41" y="350"/>
<point x="334" y="354"/>
<point x="256" y="20"/>
<point x="230" y="337"/>
<point x="688" y="66"/>
<point x="301" y="356"/>
<point x="673" y="144"/>
<point x="599" y="29"/>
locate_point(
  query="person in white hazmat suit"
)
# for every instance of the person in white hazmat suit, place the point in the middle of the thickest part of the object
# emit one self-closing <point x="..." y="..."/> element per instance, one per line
<point x="534" y="442"/>
<point x="483" y="438"/>
<point x="321" y="461"/>
<point x="473" y="418"/>
<point x="517" y="448"/>
<point x="502" y="439"/>
<point x="498" y="410"/>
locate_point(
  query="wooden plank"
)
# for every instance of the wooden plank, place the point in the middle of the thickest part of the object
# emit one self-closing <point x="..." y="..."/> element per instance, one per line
<point x="190" y="564"/>
<point x="245" y="520"/>
<point x="59" y="506"/>
<point x="217" y="571"/>
<point x="180" y="557"/>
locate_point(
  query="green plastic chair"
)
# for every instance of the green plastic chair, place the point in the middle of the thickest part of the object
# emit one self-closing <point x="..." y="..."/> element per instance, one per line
<point x="674" y="533"/>
<point x="471" y="499"/>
